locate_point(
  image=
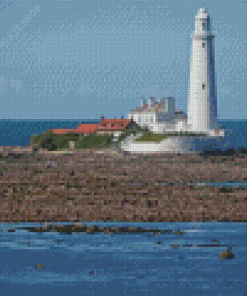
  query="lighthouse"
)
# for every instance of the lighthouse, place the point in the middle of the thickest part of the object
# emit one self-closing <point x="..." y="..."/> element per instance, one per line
<point x="202" y="103"/>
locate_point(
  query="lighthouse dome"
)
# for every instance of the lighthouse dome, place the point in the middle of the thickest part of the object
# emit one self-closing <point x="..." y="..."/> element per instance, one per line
<point x="203" y="10"/>
<point x="202" y="13"/>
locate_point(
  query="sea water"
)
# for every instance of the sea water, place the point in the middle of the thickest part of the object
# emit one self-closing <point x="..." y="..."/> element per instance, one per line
<point x="125" y="264"/>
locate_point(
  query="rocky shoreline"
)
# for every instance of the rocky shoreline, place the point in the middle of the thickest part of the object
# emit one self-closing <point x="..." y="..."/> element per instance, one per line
<point x="107" y="185"/>
<point x="79" y="227"/>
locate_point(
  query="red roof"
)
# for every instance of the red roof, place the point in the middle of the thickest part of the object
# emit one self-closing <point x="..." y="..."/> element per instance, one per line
<point x="105" y="124"/>
<point x="125" y="121"/>
<point x="113" y="124"/>
<point x="81" y="129"/>
<point x="87" y="128"/>
<point x="61" y="131"/>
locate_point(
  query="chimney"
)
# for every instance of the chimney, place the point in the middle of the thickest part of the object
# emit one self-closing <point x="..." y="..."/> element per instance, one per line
<point x="102" y="117"/>
<point x="143" y="102"/>
<point x="163" y="100"/>
<point x="151" y="102"/>
<point x="169" y="104"/>
<point x="122" y="117"/>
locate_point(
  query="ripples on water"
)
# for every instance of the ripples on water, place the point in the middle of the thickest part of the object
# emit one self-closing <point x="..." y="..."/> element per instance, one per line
<point x="120" y="264"/>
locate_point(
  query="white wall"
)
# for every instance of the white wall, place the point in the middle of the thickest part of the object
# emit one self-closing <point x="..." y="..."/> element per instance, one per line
<point x="170" y="106"/>
<point x="202" y="105"/>
<point x="175" y="144"/>
<point x="146" y="118"/>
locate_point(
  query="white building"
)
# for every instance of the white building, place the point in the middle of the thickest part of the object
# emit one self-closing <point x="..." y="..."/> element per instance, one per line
<point x="162" y="116"/>
<point x="159" y="117"/>
<point x="202" y="105"/>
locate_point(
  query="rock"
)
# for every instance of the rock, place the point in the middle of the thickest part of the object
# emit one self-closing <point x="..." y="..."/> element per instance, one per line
<point x="227" y="254"/>
<point x="50" y="164"/>
<point x="216" y="241"/>
<point x="92" y="272"/>
<point x="175" y="246"/>
<point x="178" y="232"/>
<point x="39" y="266"/>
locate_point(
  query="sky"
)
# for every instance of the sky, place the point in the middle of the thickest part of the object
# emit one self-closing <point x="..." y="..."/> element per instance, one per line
<point x="80" y="59"/>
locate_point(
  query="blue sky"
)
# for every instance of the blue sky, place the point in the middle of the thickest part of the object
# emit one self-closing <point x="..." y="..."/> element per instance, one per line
<point x="77" y="59"/>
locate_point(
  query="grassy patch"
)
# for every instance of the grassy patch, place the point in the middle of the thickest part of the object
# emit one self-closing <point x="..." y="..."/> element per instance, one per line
<point x="93" y="141"/>
<point x="149" y="137"/>
<point x="53" y="142"/>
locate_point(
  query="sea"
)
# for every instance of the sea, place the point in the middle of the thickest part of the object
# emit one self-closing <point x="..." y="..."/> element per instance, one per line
<point x="143" y="264"/>
<point x="121" y="264"/>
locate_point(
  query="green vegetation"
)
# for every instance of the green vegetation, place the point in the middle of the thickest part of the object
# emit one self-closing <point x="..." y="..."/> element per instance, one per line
<point x="149" y="137"/>
<point x="132" y="128"/>
<point x="94" y="141"/>
<point x="152" y="138"/>
<point x="52" y="142"/>
<point x="44" y="140"/>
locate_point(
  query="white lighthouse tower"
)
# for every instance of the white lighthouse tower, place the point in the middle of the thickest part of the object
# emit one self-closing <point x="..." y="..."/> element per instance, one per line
<point x="202" y="105"/>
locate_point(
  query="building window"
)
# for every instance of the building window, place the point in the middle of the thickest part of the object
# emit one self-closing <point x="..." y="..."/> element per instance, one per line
<point x="203" y="45"/>
<point x="203" y="86"/>
<point x="204" y="26"/>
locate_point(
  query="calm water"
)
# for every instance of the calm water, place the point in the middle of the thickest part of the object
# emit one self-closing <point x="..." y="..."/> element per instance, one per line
<point x="125" y="264"/>
<point x="18" y="132"/>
